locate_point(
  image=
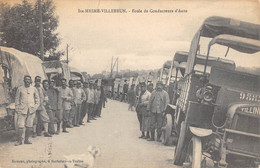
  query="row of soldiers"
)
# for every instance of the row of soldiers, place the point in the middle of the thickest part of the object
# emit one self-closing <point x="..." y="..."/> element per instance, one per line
<point x="40" y="108"/>
<point x="150" y="108"/>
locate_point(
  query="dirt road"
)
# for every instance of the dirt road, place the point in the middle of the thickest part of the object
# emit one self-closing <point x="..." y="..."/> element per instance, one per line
<point x="115" y="133"/>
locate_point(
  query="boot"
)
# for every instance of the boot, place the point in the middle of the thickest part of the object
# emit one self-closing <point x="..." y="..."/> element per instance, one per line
<point x="159" y="133"/>
<point x="152" y="136"/>
<point x="39" y="130"/>
<point x="147" y="135"/>
<point x="19" y="137"/>
<point x="34" y="135"/>
<point x="46" y="127"/>
<point x="28" y="132"/>
<point x="46" y="134"/>
<point x="143" y="135"/>
<point x="58" y="128"/>
<point x="64" y="125"/>
<point x="88" y="117"/>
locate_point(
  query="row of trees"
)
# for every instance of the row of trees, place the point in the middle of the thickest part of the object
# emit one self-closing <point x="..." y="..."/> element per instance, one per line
<point x="126" y="74"/>
<point x="19" y="27"/>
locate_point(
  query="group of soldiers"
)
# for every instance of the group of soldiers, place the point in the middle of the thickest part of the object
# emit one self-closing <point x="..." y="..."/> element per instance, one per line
<point x="42" y="106"/>
<point x="150" y="108"/>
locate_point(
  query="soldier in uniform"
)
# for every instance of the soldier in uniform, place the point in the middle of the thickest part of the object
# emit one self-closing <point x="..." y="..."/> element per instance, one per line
<point x="96" y="97"/>
<point x="131" y="97"/>
<point x="67" y="99"/>
<point x="42" y="117"/>
<point x="53" y="95"/>
<point x="84" y="103"/>
<point x="142" y="113"/>
<point x="45" y="84"/>
<point x="80" y="96"/>
<point x="26" y="103"/>
<point x="99" y="102"/>
<point x="90" y="101"/>
<point x="72" y="85"/>
<point x="157" y="105"/>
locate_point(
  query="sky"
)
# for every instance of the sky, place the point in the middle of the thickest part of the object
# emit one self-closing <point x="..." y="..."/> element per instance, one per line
<point x="140" y="40"/>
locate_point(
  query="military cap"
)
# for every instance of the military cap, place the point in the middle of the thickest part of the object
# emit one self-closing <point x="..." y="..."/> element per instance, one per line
<point x="37" y="79"/>
<point x="142" y="84"/>
<point x="159" y="83"/>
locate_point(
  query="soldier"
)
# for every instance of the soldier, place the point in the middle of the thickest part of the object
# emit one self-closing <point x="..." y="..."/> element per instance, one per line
<point x="80" y="96"/>
<point x="41" y="118"/>
<point x="84" y="103"/>
<point x="45" y="84"/>
<point x="142" y="114"/>
<point x="98" y="102"/>
<point x="26" y="103"/>
<point x="150" y="87"/>
<point x="72" y="85"/>
<point x="103" y="95"/>
<point x="53" y="95"/>
<point x="67" y="99"/>
<point x="90" y="101"/>
<point x="125" y="90"/>
<point x="157" y="105"/>
<point x="131" y="97"/>
<point x="96" y="98"/>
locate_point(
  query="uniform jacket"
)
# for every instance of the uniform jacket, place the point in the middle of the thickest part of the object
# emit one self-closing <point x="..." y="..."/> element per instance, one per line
<point x="143" y="102"/>
<point x="131" y="96"/>
<point x="97" y="96"/>
<point x="53" y="96"/>
<point x="26" y="100"/>
<point x="86" y="92"/>
<point x="91" y="96"/>
<point x="73" y="89"/>
<point x="158" y="101"/>
<point x="67" y="98"/>
<point x="80" y="95"/>
<point x="43" y="98"/>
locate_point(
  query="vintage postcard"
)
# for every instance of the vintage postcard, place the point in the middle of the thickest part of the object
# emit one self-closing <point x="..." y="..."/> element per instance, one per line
<point x="129" y="84"/>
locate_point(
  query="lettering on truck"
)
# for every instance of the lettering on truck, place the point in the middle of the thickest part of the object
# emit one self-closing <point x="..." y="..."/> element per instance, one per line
<point x="251" y="110"/>
<point x="249" y="97"/>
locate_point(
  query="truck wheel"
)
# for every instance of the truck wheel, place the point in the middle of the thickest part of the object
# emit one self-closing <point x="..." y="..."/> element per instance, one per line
<point x="180" y="150"/>
<point x="167" y="129"/>
<point x="194" y="153"/>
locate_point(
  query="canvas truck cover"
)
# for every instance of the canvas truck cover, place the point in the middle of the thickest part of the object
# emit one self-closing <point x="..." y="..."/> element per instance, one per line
<point x="20" y="64"/>
<point x="57" y="67"/>
<point x="181" y="57"/>
<point x="76" y="74"/>
<point x="240" y="44"/>
<point x="215" y="25"/>
<point x="167" y="64"/>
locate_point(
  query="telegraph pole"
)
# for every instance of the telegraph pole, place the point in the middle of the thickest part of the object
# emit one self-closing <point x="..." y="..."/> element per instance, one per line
<point x="67" y="49"/>
<point x="41" y="30"/>
<point x="111" y="70"/>
<point x="117" y="65"/>
<point x="113" y="66"/>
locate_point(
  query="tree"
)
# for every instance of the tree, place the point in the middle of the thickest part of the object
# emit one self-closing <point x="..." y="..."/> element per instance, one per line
<point x="19" y="27"/>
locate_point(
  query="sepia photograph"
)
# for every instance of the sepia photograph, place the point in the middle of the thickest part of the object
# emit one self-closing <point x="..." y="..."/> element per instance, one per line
<point x="129" y="83"/>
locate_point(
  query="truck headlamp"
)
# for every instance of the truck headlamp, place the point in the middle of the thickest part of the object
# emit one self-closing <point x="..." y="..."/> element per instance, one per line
<point x="208" y="96"/>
